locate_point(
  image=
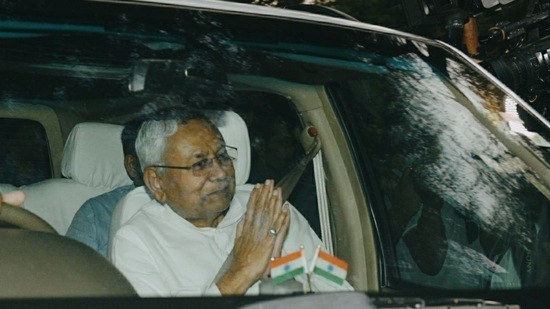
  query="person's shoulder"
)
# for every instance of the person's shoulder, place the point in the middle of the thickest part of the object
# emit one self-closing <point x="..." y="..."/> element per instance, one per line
<point x="116" y="193"/>
<point x="137" y="195"/>
<point x="146" y="224"/>
<point x="107" y="199"/>
<point x="120" y="191"/>
<point x="149" y="212"/>
<point x="136" y="225"/>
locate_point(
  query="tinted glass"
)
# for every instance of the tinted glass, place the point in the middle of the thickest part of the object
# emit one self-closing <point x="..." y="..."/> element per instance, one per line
<point x="456" y="207"/>
<point x="274" y="131"/>
<point x="25" y="158"/>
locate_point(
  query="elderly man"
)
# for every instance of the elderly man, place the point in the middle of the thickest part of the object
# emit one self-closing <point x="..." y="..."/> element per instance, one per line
<point x="177" y="244"/>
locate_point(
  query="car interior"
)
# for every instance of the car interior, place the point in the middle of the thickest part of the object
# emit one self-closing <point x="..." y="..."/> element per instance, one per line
<point x="90" y="162"/>
<point x="336" y="122"/>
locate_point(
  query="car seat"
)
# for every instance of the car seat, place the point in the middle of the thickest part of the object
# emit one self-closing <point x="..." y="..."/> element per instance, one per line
<point x="92" y="164"/>
<point x="235" y="133"/>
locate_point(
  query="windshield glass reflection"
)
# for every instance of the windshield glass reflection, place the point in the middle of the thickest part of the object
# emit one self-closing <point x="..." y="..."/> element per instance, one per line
<point x="462" y="210"/>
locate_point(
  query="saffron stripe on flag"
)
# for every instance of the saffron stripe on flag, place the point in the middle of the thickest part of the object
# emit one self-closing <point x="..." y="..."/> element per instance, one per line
<point x="333" y="260"/>
<point x="330" y="268"/>
<point x="287" y="258"/>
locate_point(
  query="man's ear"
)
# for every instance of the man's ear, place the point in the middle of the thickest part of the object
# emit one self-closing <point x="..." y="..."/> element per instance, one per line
<point x="133" y="168"/>
<point x="153" y="181"/>
<point x="130" y="165"/>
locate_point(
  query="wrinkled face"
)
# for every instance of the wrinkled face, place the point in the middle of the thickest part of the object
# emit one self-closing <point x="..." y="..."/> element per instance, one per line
<point x="202" y="193"/>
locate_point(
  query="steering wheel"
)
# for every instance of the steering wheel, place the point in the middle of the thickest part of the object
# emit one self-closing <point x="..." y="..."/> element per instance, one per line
<point x="24" y="219"/>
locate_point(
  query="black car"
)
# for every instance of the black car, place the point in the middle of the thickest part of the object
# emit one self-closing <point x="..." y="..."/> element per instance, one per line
<point x="412" y="163"/>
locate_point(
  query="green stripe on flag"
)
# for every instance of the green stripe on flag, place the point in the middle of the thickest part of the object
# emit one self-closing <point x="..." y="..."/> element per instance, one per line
<point x="328" y="275"/>
<point x="289" y="275"/>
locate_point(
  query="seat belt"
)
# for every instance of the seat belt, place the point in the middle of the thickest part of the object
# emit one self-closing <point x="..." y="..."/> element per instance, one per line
<point x="322" y="202"/>
<point x="310" y="138"/>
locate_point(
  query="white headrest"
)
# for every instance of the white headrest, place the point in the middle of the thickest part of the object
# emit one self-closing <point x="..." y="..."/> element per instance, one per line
<point x="93" y="156"/>
<point x="235" y="133"/>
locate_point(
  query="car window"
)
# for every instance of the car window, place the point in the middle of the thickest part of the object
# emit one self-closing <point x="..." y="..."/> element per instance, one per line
<point x="456" y="208"/>
<point x="274" y="129"/>
<point x="25" y="157"/>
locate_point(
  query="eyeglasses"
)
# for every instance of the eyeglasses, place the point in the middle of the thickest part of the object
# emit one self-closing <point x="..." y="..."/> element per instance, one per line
<point x="202" y="168"/>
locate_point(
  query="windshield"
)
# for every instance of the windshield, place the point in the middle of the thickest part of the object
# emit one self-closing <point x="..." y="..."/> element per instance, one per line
<point x="403" y="165"/>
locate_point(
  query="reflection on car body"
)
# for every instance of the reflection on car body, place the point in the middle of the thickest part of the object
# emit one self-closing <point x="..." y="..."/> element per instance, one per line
<point x="423" y="182"/>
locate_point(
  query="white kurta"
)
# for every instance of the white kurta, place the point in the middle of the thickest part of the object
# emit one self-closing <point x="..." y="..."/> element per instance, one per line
<point x="162" y="254"/>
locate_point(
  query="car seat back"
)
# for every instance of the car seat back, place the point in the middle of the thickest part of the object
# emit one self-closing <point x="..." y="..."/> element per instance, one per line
<point x="37" y="265"/>
<point x="93" y="163"/>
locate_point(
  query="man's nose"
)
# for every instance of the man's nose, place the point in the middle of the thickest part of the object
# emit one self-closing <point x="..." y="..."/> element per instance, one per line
<point x="217" y="170"/>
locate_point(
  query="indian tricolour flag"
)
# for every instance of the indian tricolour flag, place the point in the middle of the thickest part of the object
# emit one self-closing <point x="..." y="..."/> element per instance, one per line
<point x="288" y="266"/>
<point x="329" y="266"/>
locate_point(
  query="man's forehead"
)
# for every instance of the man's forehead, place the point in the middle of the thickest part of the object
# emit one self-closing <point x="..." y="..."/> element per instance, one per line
<point x="196" y="136"/>
<point x="200" y="127"/>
